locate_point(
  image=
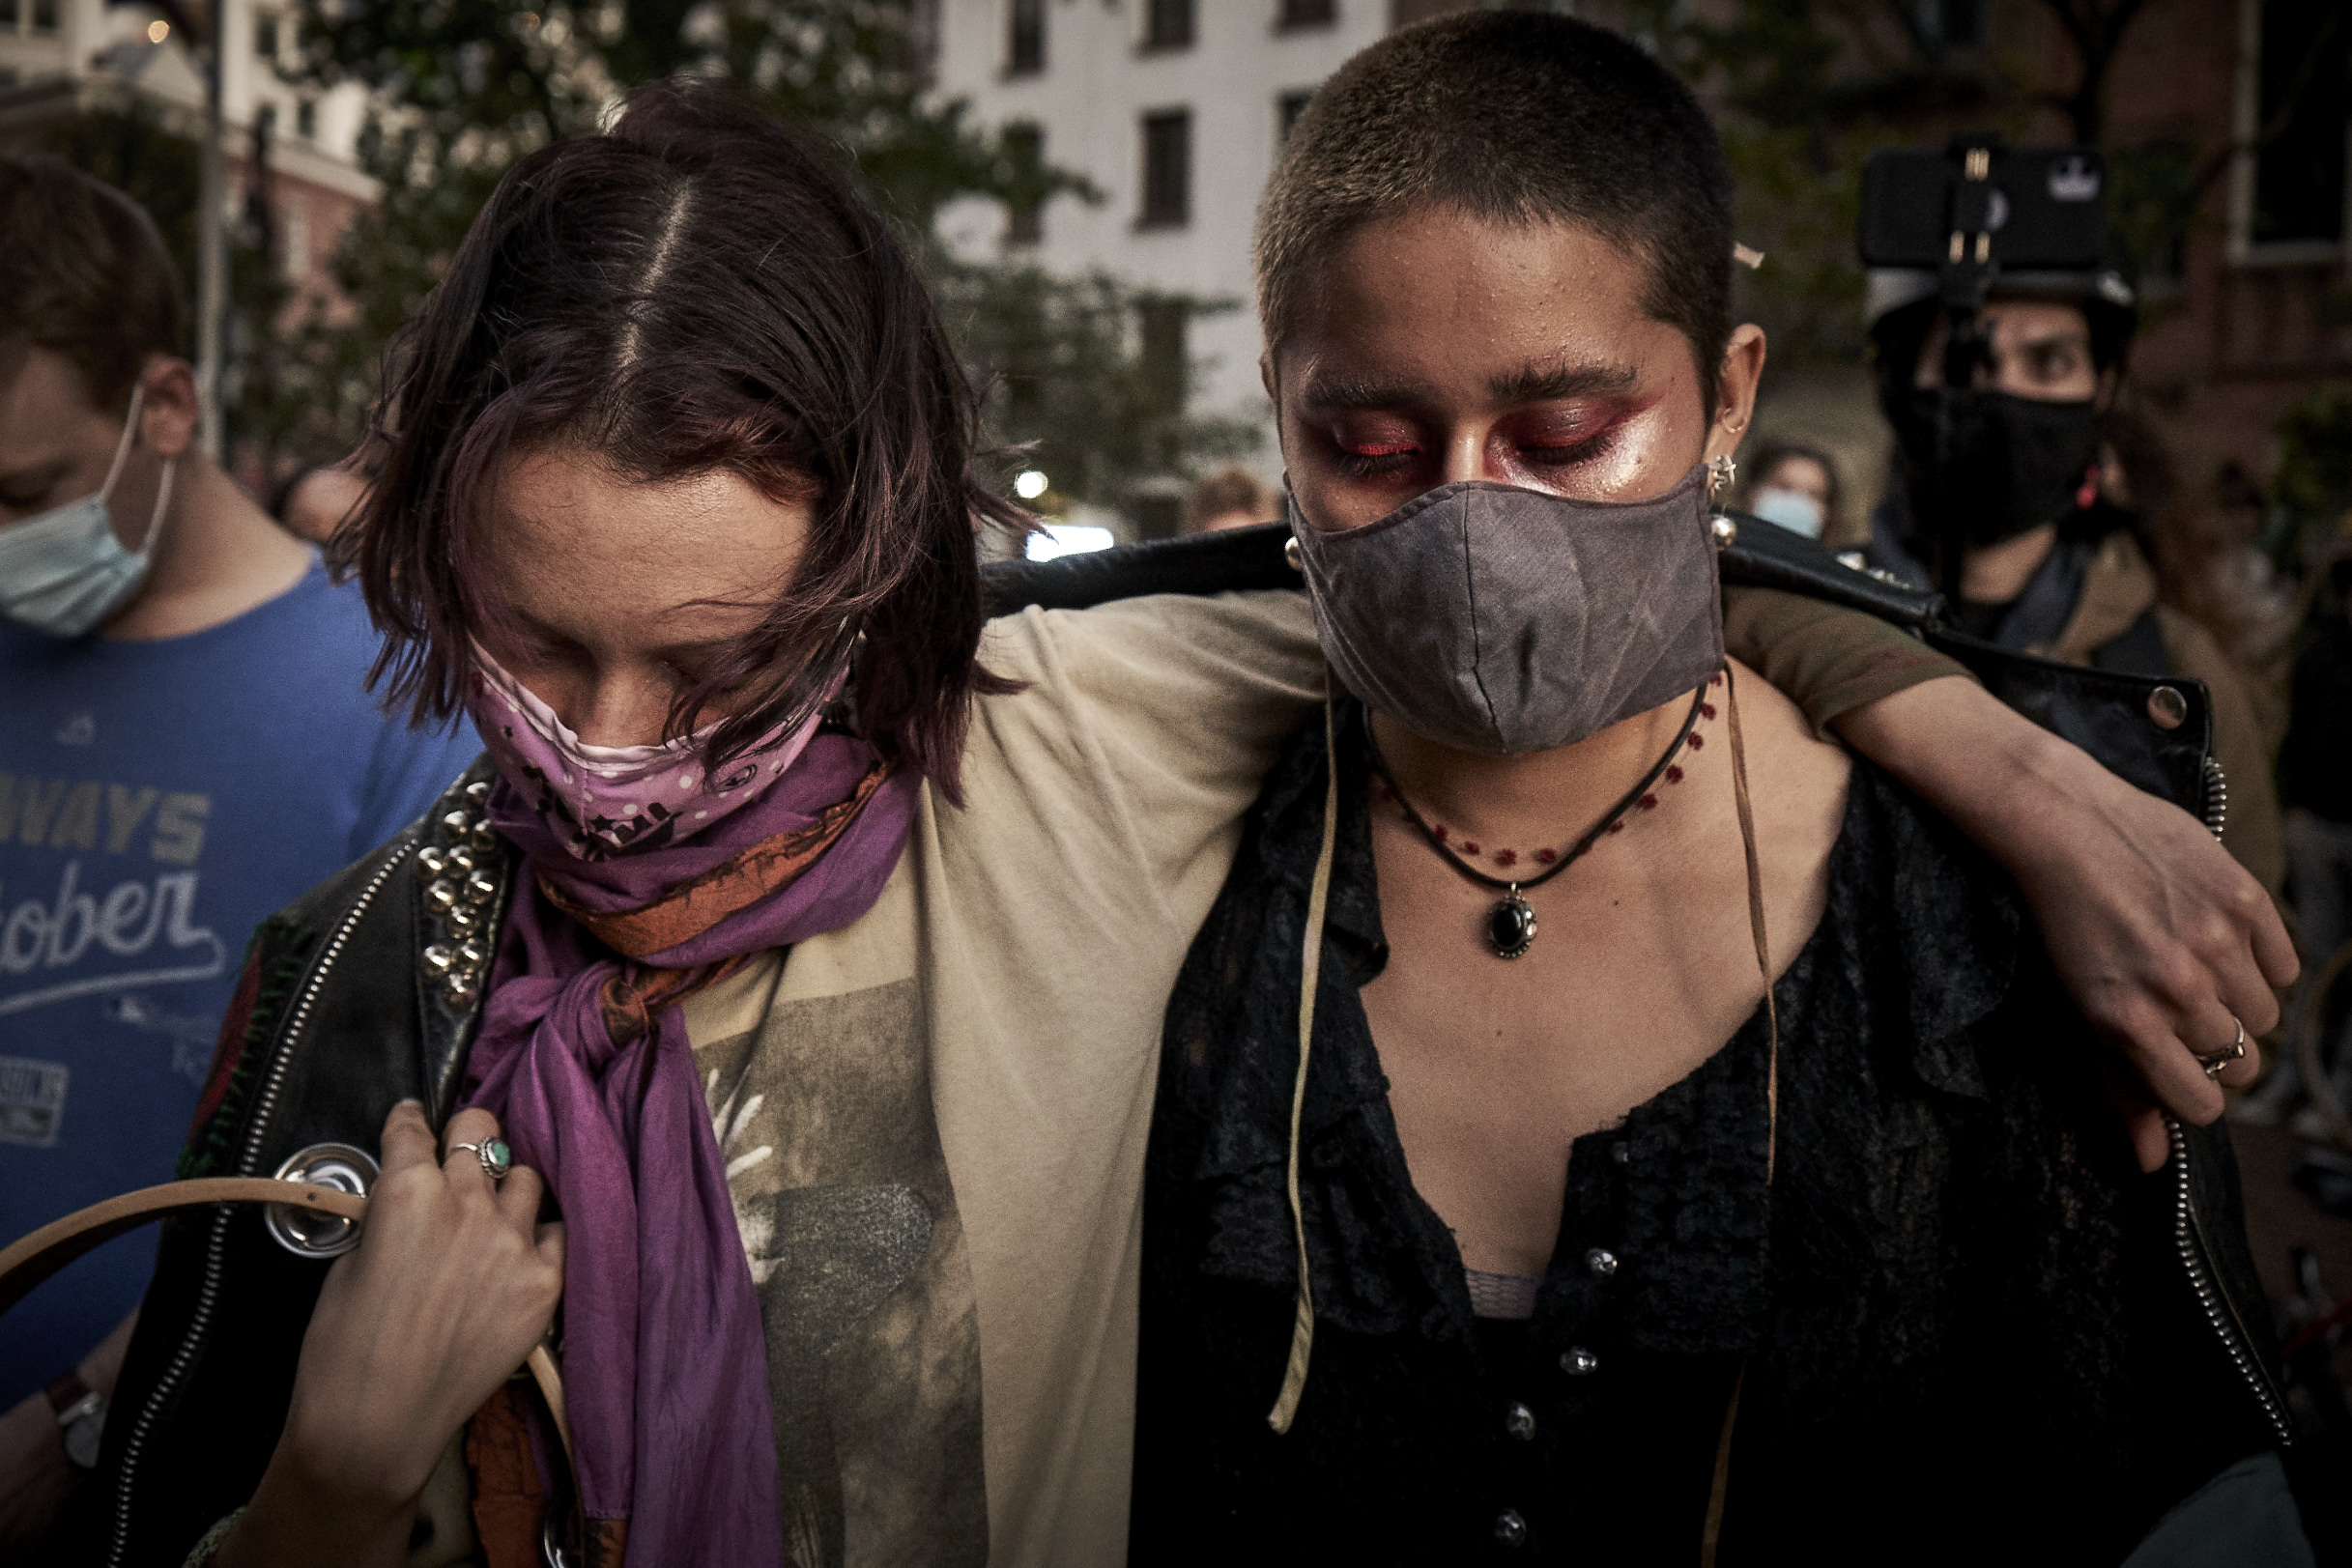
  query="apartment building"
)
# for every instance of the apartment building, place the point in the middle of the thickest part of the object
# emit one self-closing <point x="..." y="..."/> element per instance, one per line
<point x="63" y="58"/>
<point x="1173" y="109"/>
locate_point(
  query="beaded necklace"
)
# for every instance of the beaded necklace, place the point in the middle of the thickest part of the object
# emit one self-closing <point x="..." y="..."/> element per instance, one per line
<point x="1511" y="925"/>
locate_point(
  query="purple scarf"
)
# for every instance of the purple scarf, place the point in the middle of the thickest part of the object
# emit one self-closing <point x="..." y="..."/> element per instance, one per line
<point x="583" y="1056"/>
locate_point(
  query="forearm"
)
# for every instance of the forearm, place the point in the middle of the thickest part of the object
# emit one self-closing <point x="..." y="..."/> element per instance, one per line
<point x="305" y="1515"/>
<point x="2166" y="944"/>
<point x="1968" y="755"/>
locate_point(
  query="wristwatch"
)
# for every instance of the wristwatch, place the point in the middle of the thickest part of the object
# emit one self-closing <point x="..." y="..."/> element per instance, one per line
<point x="82" y="1415"/>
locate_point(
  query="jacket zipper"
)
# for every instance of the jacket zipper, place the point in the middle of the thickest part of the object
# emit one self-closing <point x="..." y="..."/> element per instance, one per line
<point x="2218" y="1310"/>
<point x="200" y="1322"/>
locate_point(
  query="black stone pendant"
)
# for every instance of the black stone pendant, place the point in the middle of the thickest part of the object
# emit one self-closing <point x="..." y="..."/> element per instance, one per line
<point x="1510" y="925"/>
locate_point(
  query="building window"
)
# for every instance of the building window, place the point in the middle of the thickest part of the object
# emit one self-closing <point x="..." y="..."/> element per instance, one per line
<point x="1306" y="13"/>
<point x="1162" y="323"/>
<point x="1167" y="170"/>
<point x="1286" y="111"/>
<point x="265" y="35"/>
<point x="1167" y="24"/>
<point x="1024" y="207"/>
<point x="11" y="15"/>
<point x="306" y="118"/>
<point x="1025" y="43"/>
<point x="45" y="15"/>
<point x="2293" y="196"/>
<point x="294" y="240"/>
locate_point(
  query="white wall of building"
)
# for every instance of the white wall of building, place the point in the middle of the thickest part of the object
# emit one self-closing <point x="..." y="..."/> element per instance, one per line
<point x="1097" y="81"/>
<point x="89" y="39"/>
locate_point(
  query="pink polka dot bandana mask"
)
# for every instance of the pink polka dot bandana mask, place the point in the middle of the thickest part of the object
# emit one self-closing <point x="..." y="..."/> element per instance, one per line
<point x="601" y="800"/>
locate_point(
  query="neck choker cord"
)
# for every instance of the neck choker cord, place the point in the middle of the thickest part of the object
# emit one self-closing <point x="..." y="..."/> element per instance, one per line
<point x="1510" y="925"/>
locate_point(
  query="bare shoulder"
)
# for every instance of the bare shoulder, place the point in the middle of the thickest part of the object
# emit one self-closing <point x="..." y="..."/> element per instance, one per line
<point x="1796" y="782"/>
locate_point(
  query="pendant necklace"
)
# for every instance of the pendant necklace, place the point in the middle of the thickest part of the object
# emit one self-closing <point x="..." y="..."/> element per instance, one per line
<point x="1511" y="925"/>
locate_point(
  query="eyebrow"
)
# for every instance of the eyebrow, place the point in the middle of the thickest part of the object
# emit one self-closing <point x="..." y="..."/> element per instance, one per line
<point x="1540" y="382"/>
<point x="1534" y="382"/>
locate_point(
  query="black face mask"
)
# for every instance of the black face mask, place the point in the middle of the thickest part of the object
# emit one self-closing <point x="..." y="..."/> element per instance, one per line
<point x="2011" y="464"/>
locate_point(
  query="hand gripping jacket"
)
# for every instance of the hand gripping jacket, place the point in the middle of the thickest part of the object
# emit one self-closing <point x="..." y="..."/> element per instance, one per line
<point x="368" y="990"/>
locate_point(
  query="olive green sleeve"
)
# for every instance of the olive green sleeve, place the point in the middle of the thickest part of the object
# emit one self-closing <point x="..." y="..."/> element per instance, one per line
<point x="1827" y="659"/>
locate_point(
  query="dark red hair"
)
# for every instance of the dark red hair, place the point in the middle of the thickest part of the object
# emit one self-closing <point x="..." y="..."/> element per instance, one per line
<point x="699" y="289"/>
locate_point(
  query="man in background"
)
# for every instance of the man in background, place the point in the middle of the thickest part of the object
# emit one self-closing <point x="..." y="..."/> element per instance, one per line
<point x="2047" y="562"/>
<point x="185" y="744"/>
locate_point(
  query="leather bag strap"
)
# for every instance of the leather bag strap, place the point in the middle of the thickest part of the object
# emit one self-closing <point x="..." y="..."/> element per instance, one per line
<point x="34" y="1258"/>
<point x="28" y="1260"/>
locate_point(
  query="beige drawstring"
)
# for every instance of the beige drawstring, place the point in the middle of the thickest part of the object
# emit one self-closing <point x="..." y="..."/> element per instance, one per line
<point x="1717" y="1489"/>
<point x="1310" y="971"/>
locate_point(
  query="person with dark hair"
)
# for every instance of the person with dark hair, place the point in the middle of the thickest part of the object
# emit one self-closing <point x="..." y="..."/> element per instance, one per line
<point x="1796" y="487"/>
<point x="185" y="742"/>
<point x="2049" y="560"/>
<point x="767" y="1024"/>
<point x="1600" y="1120"/>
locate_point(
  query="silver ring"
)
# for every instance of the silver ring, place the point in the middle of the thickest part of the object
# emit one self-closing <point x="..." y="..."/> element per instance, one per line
<point x="2234" y="1051"/>
<point x="494" y="1158"/>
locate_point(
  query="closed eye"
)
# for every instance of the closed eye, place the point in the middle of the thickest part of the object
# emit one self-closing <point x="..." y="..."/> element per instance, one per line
<point x="1367" y="459"/>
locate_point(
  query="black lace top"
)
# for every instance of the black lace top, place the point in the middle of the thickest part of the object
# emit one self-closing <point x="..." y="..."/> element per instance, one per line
<point x="1954" y="1316"/>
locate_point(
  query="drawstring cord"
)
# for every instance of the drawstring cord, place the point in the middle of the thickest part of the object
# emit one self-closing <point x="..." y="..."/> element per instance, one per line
<point x="1717" y="1489"/>
<point x="1303" y="1332"/>
<point x="1310" y="972"/>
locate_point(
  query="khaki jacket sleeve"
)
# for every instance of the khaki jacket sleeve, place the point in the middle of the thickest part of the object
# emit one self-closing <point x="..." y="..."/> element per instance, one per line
<point x="1147" y="726"/>
<point x="1827" y="659"/>
<point x="2255" y="834"/>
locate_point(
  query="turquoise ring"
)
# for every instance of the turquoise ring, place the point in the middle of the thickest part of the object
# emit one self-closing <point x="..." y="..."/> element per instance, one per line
<point x="496" y="1160"/>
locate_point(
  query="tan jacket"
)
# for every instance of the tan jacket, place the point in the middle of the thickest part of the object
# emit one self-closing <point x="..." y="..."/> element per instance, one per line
<point x="2118" y="588"/>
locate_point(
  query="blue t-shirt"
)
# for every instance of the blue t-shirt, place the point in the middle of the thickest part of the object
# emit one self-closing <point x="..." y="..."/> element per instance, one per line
<point x="158" y="801"/>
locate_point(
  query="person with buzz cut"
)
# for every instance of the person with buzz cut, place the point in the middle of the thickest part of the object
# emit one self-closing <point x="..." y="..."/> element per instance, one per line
<point x="1603" y="1120"/>
<point x="185" y="742"/>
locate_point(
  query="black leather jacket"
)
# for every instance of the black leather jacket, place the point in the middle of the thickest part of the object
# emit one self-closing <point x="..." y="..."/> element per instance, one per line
<point x="358" y="994"/>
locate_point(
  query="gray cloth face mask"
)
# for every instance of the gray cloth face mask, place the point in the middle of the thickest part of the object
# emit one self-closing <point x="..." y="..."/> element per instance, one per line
<point x="1502" y="620"/>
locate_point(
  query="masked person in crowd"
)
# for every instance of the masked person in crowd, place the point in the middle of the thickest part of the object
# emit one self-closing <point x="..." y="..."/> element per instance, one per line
<point x="1600" y="1122"/>
<point x="1795" y="486"/>
<point x="185" y="742"/>
<point x="803" y="939"/>
<point x="2047" y="562"/>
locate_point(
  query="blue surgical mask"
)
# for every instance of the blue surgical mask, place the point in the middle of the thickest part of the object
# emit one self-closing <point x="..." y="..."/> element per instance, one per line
<point x="65" y="571"/>
<point x="1791" y="509"/>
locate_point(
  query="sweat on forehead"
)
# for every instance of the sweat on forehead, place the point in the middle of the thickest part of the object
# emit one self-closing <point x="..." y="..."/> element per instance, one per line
<point x="1518" y="118"/>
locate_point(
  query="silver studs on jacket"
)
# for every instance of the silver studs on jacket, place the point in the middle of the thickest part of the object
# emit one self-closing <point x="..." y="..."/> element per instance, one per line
<point x="464" y="880"/>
